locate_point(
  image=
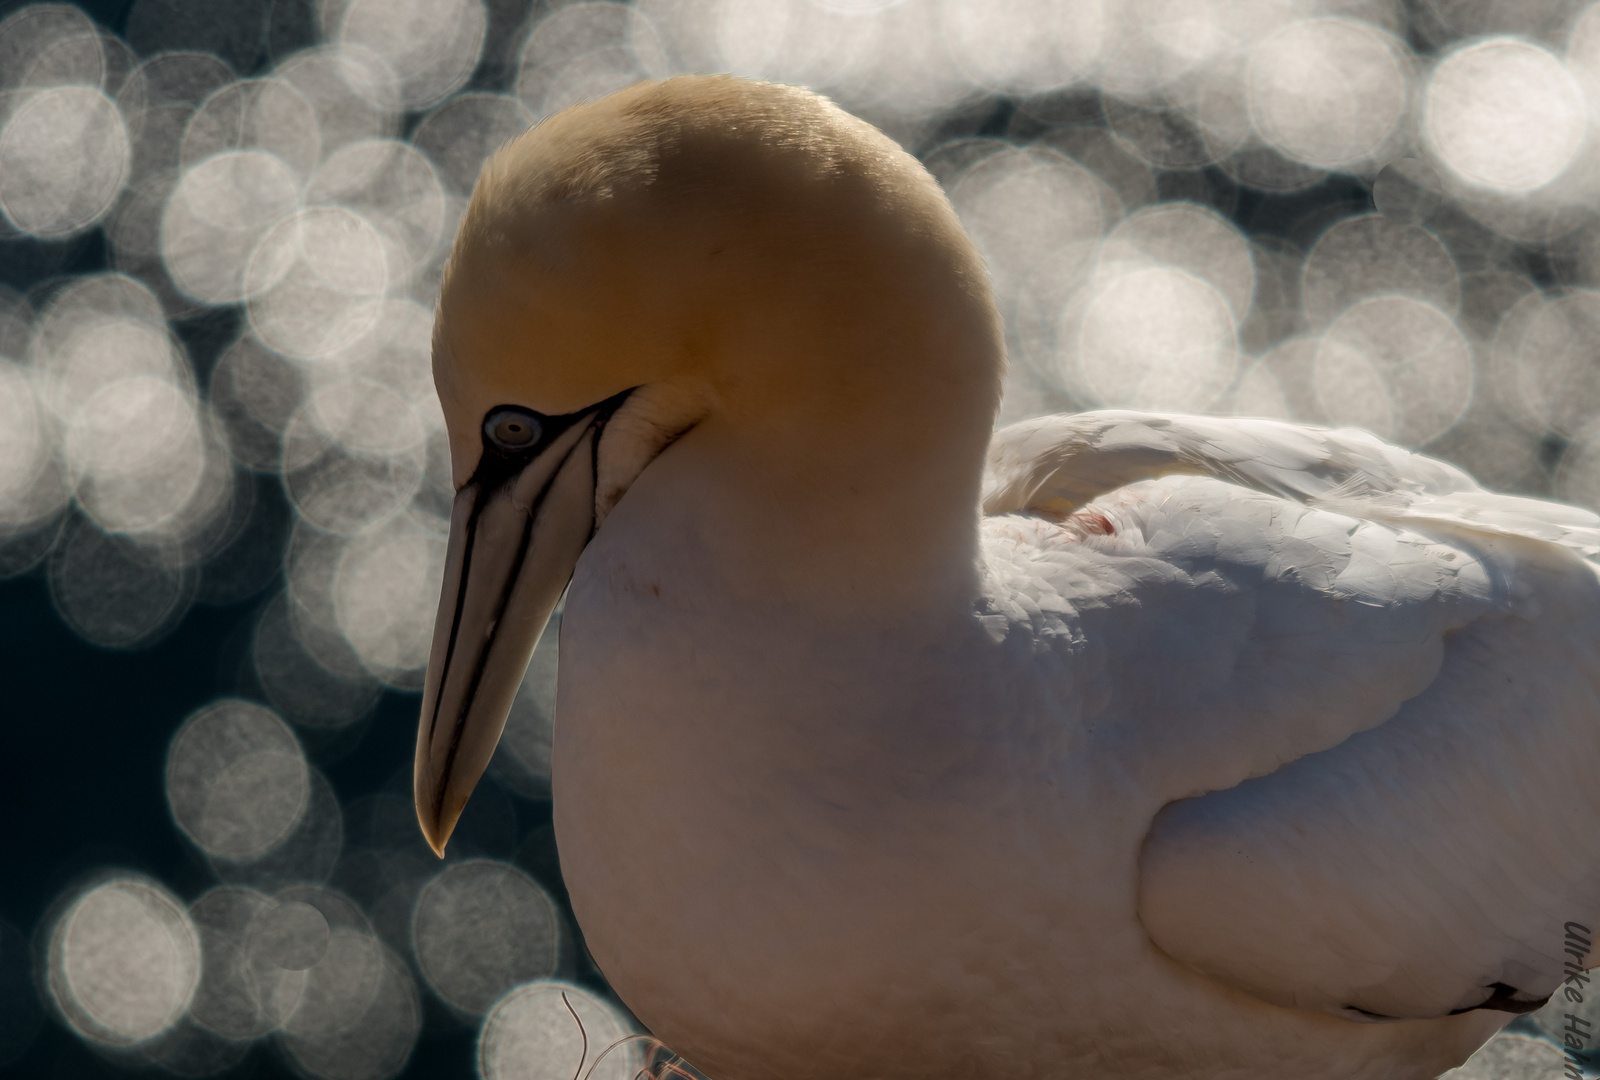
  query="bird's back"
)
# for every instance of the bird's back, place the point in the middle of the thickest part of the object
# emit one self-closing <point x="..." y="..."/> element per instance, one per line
<point x="1358" y="694"/>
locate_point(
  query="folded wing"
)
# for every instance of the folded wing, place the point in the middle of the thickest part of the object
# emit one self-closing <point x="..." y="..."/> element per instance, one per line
<point x="1376" y="690"/>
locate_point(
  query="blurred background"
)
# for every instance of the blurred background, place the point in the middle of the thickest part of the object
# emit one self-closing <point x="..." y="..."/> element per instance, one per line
<point x="224" y="482"/>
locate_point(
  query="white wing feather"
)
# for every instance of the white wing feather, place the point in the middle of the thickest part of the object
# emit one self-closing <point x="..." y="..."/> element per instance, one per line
<point x="1365" y="692"/>
<point x="1059" y="463"/>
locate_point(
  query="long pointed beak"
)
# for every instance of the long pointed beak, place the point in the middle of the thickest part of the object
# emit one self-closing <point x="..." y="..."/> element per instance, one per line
<point x="516" y="532"/>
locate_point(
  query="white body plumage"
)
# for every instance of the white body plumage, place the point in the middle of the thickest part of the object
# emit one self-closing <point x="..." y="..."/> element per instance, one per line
<point x="984" y="845"/>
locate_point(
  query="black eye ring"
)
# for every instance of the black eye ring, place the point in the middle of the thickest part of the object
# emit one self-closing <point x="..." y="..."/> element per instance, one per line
<point x="511" y="428"/>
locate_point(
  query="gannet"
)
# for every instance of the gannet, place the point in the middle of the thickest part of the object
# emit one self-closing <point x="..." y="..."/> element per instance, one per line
<point x="1110" y="745"/>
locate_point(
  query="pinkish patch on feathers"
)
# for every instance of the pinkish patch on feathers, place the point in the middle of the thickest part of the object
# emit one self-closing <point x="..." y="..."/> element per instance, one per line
<point x="1093" y="522"/>
<point x="1082" y="522"/>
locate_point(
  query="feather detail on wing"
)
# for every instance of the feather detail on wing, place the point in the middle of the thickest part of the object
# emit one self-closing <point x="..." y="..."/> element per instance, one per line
<point x="1056" y="464"/>
<point x="1426" y="865"/>
<point x="1367" y="690"/>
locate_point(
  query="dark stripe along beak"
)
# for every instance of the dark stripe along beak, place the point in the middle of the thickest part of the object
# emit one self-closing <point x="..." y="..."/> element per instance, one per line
<point x="516" y="531"/>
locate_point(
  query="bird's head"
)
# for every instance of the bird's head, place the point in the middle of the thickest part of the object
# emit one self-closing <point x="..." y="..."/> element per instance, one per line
<point x="692" y="253"/>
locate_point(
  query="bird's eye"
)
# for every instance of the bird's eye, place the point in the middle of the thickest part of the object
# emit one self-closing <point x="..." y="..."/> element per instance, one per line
<point x="512" y="429"/>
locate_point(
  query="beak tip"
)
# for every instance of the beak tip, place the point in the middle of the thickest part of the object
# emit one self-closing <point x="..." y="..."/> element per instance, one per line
<point x="435" y="831"/>
<point x="436" y="838"/>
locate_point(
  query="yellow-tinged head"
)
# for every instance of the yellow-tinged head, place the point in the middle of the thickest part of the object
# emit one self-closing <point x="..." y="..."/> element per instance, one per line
<point x="672" y="231"/>
<point x="702" y="254"/>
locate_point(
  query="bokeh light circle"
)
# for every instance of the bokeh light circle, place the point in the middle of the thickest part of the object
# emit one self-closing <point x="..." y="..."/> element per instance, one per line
<point x="29" y="484"/>
<point x="217" y="215"/>
<point x="393" y="188"/>
<point x="1398" y="367"/>
<point x="124" y="962"/>
<point x="355" y="1015"/>
<point x="430" y="45"/>
<point x="481" y="928"/>
<point x="1192" y="238"/>
<point x="1026" y="46"/>
<point x="1505" y="114"/>
<point x="237" y="781"/>
<point x="353" y="455"/>
<point x="1327" y="92"/>
<point x="64" y="157"/>
<point x="386" y="596"/>
<point x="115" y="591"/>
<point x="137" y="453"/>
<point x="1034" y="214"/>
<point x="225" y="1001"/>
<point x="35" y="32"/>
<point x="298" y="682"/>
<point x="540" y="1032"/>
<point x="353" y="91"/>
<point x="1372" y="255"/>
<point x="290" y="935"/>
<point x="1153" y="337"/>
<point x="1558" y="360"/>
<point x="254" y="392"/>
<point x="460" y="135"/>
<point x="316" y="282"/>
<point x="267" y="115"/>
